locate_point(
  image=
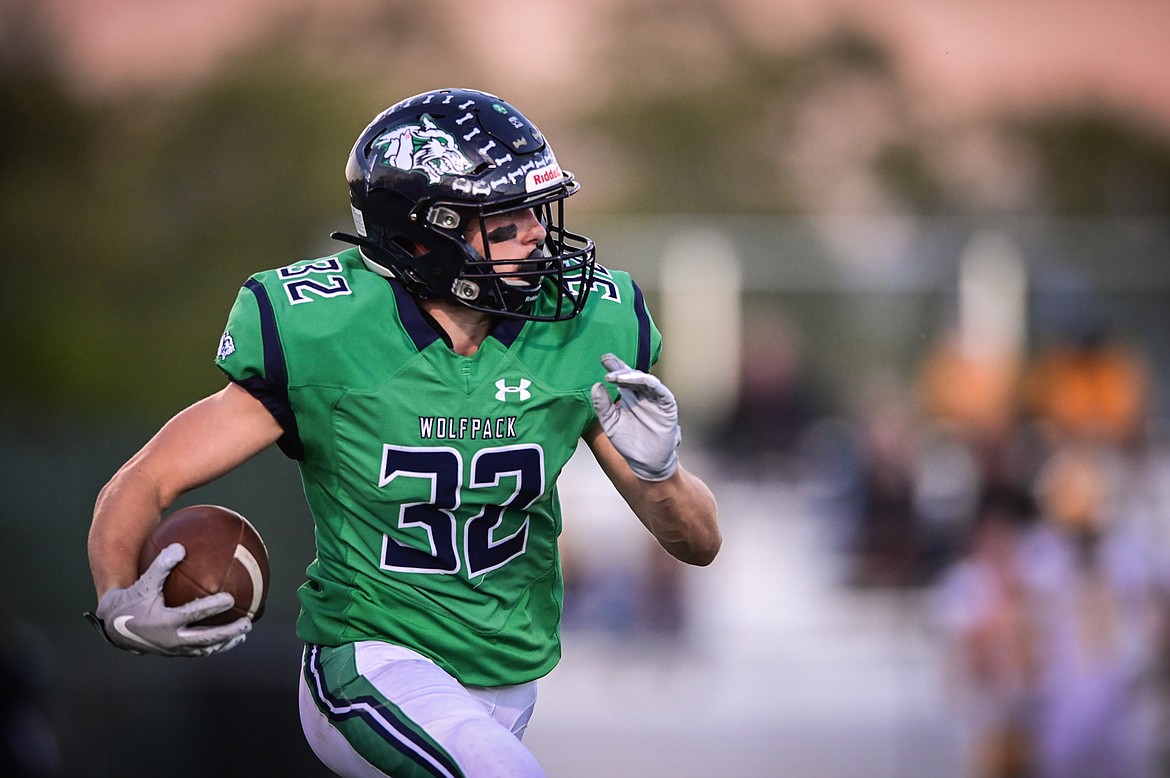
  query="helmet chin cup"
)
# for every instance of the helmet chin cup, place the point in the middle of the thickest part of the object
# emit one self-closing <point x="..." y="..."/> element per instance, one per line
<point x="433" y="165"/>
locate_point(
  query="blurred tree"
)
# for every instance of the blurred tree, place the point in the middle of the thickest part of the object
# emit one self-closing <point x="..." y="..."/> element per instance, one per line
<point x="905" y="172"/>
<point x="138" y="219"/>
<point x="127" y="223"/>
<point x="46" y="167"/>
<point x="704" y="118"/>
<point x="1094" y="164"/>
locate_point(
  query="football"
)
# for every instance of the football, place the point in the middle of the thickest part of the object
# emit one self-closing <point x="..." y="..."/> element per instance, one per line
<point x="225" y="553"/>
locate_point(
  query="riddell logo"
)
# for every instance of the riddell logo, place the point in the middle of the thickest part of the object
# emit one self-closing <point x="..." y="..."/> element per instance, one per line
<point x="543" y="177"/>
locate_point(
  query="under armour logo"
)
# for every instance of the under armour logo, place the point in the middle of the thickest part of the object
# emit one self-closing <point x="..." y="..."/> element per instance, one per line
<point x="521" y="390"/>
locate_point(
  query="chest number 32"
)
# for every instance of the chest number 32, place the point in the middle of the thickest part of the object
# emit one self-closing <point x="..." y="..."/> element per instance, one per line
<point x="435" y="518"/>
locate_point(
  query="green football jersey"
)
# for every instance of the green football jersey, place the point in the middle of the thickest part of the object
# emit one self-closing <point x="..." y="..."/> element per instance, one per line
<point x="431" y="476"/>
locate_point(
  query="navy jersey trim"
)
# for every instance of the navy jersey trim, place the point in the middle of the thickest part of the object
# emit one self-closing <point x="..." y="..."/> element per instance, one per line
<point x="413" y="318"/>
<point x="507" y="330"/>
<point x="642" y="361"/>
<point x="423" y="330"/>
<point x="272" y="390"/>
<point x="380" y="719"/>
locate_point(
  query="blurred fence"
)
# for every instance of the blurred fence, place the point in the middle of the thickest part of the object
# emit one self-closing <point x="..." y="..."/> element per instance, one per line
<point x="870" y="295"/>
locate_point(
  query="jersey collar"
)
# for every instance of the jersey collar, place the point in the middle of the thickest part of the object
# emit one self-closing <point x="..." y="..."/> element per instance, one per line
<point x="423" y="330"/>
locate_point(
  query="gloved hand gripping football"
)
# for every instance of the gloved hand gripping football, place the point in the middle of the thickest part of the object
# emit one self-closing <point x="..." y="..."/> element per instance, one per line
<point x="643" y="423"/>
<point x="137" y="619"/>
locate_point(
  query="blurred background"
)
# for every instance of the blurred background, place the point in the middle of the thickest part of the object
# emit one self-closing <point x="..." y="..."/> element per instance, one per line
<point x="910" y="261"/>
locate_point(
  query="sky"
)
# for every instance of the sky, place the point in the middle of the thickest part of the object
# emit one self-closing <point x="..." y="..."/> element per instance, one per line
<point x="966" y="57"/>
<point x="976" y="53"/>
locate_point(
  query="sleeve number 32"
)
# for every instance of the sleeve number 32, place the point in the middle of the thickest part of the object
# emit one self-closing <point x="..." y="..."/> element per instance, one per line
<point x="435" y="519"/>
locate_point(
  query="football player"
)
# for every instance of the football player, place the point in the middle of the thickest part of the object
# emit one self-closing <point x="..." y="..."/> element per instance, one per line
<point x="431" y="381"/>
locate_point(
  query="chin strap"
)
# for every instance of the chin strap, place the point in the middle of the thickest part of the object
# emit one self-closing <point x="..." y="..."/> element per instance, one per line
<point x="390" y="267"/>
<point x="362" y="242"/>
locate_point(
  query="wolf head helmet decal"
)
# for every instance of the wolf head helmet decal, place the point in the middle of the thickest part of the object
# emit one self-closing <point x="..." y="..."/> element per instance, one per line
<point x="423" y="147"/>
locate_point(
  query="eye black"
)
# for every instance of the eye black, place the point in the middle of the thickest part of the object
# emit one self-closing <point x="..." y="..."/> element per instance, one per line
<point x="503" y="234"/>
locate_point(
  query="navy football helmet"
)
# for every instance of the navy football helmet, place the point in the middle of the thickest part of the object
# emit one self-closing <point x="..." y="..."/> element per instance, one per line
<point x="427" y="170"/>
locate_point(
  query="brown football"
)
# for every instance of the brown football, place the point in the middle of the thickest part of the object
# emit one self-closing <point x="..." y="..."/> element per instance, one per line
<point x="225" y="553"/>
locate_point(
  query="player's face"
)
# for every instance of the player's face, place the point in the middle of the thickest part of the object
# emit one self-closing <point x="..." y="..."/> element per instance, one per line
<point x="510" y="236"/>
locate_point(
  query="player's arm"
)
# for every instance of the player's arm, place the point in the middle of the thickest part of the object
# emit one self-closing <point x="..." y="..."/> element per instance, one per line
<point x="679" y="511"/>
<point x="198" y="445"/>
<point x="636" y="445"/>
<point x="201" y="443"/>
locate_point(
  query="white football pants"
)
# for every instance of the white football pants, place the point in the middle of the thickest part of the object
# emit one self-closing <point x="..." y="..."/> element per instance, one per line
<point x="376" y="709"/>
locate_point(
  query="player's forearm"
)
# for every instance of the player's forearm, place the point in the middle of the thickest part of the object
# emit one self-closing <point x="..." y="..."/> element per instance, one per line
<point x="681" y="514"/>
<point x="127" y="508"/>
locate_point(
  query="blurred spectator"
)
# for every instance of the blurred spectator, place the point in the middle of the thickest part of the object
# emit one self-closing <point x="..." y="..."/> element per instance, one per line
<point x="974" y="392"/>
<point x="991" y="647"/>
<point x="617" y="581"/>
<point x="950" y="482"/>
<point x="1076" y="605"/>
<point x="1099" y="607"/>
<point x="663" y="602"/>
<point x="971" y="450"/>
<point x="1090" y="386"/>
<point x="887" y="553"/>
<point x="776" y="402"/>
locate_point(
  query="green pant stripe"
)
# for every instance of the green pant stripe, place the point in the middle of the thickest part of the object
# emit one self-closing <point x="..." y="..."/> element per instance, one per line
<point x="376" y="727"/>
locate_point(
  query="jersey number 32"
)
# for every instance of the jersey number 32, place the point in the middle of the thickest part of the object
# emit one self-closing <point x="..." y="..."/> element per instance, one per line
<point x="435" y="519"/>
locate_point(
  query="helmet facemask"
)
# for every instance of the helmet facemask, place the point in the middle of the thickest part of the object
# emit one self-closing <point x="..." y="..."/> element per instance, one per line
<point x="561" y="266"/>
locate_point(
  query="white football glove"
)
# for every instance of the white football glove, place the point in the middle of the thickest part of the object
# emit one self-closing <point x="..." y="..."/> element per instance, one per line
<point x="643" y="423"/>
<point x="137" y="620"/>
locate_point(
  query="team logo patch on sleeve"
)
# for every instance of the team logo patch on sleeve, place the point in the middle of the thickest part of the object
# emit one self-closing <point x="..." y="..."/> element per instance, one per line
<point x="227" y="347"/>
